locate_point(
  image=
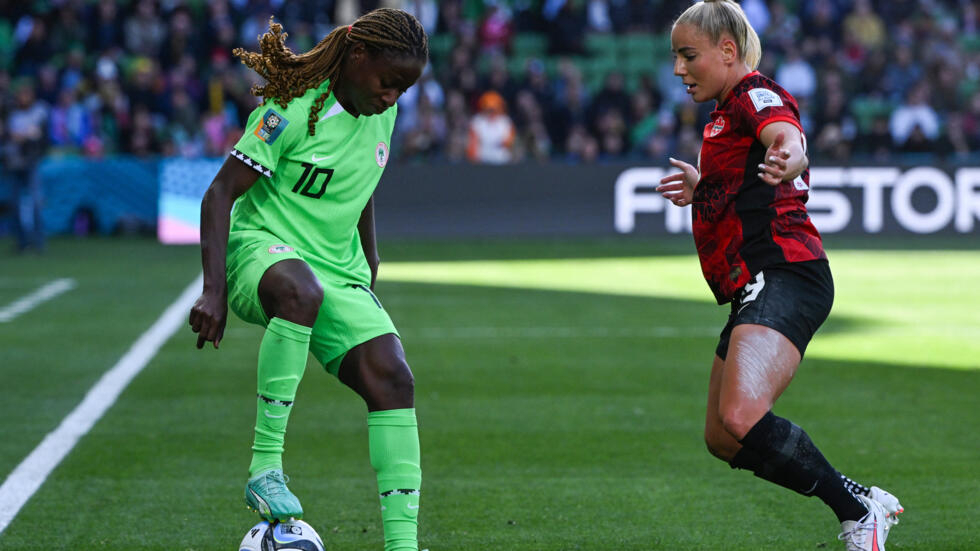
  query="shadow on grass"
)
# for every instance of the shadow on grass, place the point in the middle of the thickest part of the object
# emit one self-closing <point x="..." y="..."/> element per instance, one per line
<point x="395" y="249"/>
<point x="549" y="421"/>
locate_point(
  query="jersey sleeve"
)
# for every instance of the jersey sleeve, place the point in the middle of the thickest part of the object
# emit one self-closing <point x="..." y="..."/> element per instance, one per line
<point x="763" y="106"/>
<point x="268" y="134"/>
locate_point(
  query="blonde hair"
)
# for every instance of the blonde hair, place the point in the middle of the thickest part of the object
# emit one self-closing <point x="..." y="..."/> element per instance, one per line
<point x="289" y="75"/>
<point x="719" y="17"/>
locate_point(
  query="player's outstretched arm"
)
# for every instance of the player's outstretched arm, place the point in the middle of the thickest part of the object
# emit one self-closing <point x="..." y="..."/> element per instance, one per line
<point x="210" y="311"/>
<point x="678" y="188"/>
<point x="785" y="154"/>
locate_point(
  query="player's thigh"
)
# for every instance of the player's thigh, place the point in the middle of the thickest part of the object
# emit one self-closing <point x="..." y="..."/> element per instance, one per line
<point x="350" y="315"/>
<point x="760" y="365"/>
<point x="250" y="255"/>
<point x="772" y="321"/>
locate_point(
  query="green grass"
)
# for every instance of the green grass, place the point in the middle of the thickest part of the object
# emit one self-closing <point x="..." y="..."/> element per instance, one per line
<point x="560" y="393"/>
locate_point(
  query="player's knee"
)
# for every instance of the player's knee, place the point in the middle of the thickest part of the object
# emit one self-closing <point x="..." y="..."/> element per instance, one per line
<point x="398" y="378"/>
<point x="737" y="422"/>
<point x="299" y="301"/>
<point x="718" y="443"/>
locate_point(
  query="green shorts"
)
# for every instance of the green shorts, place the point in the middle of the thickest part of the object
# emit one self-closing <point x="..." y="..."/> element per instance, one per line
<point x="350" y="314"/>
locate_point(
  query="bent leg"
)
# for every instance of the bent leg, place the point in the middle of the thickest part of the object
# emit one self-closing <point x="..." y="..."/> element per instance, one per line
<point x="761" y="363"/>
<point x="290" y="295"/>
<point x="378" y="372"/>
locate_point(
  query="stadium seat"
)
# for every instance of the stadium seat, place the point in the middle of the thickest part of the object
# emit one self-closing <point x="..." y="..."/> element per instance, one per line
<point x="602" y="45"/>
<point x="529" y="44"/>
<point x="866" y="109"/>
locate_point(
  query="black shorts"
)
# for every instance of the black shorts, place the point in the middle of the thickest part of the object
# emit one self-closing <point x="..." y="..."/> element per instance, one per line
<point x="793" y="299"/>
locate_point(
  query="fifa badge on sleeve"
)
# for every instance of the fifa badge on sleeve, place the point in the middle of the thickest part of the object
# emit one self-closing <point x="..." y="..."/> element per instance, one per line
<point x="272" y="125"/>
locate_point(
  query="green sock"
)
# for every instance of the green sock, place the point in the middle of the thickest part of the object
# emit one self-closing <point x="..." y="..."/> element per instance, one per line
<point x="282" y="361"/>
<point x="393" y="438"/>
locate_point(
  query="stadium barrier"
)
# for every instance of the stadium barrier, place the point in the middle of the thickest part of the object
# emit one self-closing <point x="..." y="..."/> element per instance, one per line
<point x="125" y="195"/>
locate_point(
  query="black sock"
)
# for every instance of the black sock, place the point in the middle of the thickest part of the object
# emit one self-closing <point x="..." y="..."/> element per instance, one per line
<point x="855" y="487"/>
<point x="782" y="453"/>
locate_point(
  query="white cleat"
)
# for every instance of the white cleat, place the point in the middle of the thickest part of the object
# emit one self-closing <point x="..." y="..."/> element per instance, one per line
<point x="869" y="533"/>
<point x="890" y="503"/>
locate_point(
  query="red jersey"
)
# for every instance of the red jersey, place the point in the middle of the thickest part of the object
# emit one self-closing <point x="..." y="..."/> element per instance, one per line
<point x="742" y="224"/>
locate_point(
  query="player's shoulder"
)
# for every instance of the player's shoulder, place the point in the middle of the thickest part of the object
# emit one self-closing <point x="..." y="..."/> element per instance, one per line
<point x="297" y="109"/>
<point x="756" y="92"/>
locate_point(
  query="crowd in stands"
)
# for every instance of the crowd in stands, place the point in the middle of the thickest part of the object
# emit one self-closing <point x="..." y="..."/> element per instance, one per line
<point x="509" y="80"/>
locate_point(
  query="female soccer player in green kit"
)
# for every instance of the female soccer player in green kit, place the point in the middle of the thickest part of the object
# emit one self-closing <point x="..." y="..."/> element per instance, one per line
<point x="298" y="254"/>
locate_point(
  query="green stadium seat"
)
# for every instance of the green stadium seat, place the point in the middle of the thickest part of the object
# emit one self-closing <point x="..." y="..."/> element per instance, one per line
<point x="866" y="109"/>
<point x="529" y="44"/>
<point x="970" y="42"/>
<point x="440" y="44"/>
<point x="967" y="88"/>
<point x="635" y="44"/>
<point x="602" y="45"/>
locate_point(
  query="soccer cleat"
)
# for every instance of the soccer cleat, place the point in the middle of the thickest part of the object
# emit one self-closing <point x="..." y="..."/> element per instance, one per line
<point x="267" y="494"/>
<point x="890" y="503"/>
<point x="867" y="534"/>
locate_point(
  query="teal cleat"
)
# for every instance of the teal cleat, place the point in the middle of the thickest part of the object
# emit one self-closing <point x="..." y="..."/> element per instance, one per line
<point x="267" y="493"/>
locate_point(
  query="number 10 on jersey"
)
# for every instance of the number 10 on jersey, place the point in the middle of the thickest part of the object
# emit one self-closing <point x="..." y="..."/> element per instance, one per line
<point x="309" y="178"/>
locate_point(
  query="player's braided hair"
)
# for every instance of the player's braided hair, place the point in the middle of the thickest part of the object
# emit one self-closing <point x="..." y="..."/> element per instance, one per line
<point x="289" y="75"/>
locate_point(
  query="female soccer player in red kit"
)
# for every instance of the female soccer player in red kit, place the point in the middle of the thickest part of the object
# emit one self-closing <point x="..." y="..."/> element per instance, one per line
<point x="760" y="252"/>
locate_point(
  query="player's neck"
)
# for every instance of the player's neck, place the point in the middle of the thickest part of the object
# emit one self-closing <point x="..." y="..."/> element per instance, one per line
<point x="737" y="73"/>
<point x="345" y="101"/>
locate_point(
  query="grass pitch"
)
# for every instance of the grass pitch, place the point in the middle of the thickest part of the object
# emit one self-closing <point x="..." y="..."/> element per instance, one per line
<point x="560" y="394"/>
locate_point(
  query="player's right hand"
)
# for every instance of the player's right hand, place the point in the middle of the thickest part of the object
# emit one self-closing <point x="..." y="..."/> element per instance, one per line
<point x="208" y="316"/>
<point x="678" y="187"/>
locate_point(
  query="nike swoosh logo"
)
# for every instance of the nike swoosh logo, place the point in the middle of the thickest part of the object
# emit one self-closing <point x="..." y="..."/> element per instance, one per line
<point x="318" y="159"/>
<point x="263" y="506"/>
<point x="271" y="416"/>
<point x="410" y="506"/>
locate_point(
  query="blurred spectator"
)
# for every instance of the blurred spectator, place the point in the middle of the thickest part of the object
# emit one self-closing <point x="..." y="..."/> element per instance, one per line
<point x="141" y="138"/>
<point x="782" y="30"/>
<point x="157" y="77"/>
<point x="70" y="124"/>
<point x="971" y="122"/>
<point x="491" y="135"/>
<point x="580" y="145"/>
<point x="566" y="28"/>
<point x="758" y="14"/>
<point x="914" y="124"/>
<point x="426" y="11"/>
<point x="23" y="148"/>
<point x="495" y="30"/>
<point x="34" y="48"/>
<point x="877" y="144"/>
<point x="105" y="26"/>
<point x="532" y="138"/>
<point x="611" y="97"/>
<point x="598" y="18"/>
<point x="797" y="75"/>
<point x="865" y="25"/>
<point x="144" y="30"/>
<point x="901" y="73"/>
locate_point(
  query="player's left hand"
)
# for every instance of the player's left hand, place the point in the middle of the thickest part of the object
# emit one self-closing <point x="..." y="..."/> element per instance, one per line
<point x="773" y="170"/>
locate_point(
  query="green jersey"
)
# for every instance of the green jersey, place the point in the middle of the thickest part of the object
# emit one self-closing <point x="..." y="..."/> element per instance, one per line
<point x="313" y="188"/>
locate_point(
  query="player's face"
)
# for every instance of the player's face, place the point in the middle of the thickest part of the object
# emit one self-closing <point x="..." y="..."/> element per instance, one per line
<point x="371" y="83"/>
<point x="699" y="62"/>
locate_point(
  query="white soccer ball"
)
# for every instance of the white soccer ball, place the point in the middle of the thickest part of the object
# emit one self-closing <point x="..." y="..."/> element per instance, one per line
<point x="294" y="535"/>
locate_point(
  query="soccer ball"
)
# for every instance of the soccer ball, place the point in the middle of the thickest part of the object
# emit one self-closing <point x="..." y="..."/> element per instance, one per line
<point x="294" y="535"/>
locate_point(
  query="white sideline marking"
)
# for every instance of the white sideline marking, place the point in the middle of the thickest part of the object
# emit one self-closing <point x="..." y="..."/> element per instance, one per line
<point x="25" y="304"/>
<point x="35" y="468"/>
